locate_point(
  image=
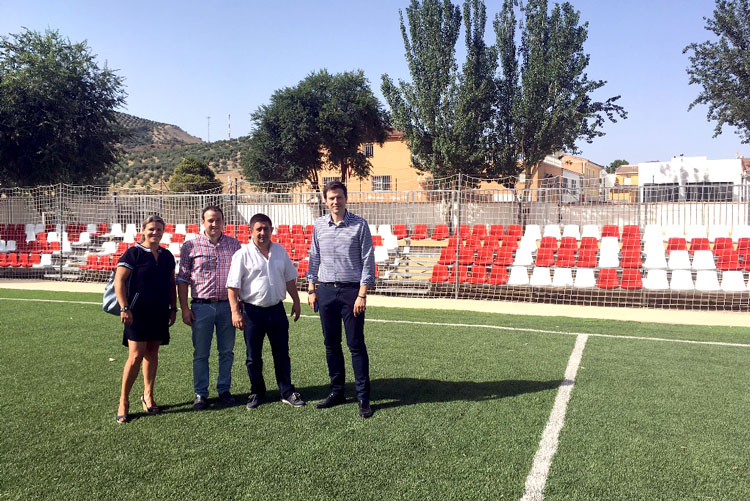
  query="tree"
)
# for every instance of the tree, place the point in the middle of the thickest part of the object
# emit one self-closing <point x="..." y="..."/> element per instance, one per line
<point x="611" y="168"/>
<point x="321" y="122"/>
<point x="424" y="109"/>
<point x="57" y="111"/>
<point x="544" y="99"/>
<point x="722" y="67"/>
<point x="193" y="175"/>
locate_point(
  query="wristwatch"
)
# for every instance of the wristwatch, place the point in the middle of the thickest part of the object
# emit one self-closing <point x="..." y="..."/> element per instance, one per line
<point x="125" y="308"/>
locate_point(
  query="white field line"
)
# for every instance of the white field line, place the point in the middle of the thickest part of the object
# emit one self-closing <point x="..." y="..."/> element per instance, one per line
<point x="475" y="326"/>
<point x="537" y="479"/>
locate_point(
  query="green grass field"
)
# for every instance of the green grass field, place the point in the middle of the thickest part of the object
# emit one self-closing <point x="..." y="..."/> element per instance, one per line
<point x="459" y="412"/>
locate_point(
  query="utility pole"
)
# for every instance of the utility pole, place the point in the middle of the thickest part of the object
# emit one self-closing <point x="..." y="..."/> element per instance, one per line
<point x="208" y="137"/>
<point x="229" y="126"/>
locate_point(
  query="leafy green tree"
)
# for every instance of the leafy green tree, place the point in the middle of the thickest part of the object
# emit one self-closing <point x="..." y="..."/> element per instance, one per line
<point x="193" y="175"/>
<point x="544" y="101"/>
<point x="611" y="168"/>
<point x="424" y="109"/>
<point x="322" y="121"/>
<point x="57" y="110"/>
<point x="722" y="67"/>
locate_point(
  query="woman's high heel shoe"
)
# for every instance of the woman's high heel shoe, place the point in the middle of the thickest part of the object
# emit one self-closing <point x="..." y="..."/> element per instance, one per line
<point x="154" y="409"/>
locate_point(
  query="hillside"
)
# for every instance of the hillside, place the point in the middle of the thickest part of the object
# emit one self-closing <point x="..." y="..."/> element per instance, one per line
<point x="154" y="149"/>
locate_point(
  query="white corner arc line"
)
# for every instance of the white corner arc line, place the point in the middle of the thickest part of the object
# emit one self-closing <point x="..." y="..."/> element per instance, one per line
<point x="537" y="479"/>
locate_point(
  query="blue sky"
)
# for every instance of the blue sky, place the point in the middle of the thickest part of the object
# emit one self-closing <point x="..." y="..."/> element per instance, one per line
<point x="186" y="60"/>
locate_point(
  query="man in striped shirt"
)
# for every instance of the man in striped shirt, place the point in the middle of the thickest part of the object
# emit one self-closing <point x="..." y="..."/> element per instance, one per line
<point x="342" y="266"/>
<point x="204" y="266"/>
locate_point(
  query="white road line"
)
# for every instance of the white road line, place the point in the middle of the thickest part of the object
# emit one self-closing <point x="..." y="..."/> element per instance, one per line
<point x="537" y="479"/>
<point x="473" y="326"/>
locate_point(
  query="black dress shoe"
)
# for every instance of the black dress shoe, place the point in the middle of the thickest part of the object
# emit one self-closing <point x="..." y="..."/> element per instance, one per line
<point x="331" y="400"/>
<point x="226" y="398"/>
<point x="201" y="403"/>
<point x="365" y="410"/>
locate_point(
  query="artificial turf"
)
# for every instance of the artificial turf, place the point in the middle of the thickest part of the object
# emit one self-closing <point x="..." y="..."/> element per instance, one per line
<point x="459" y="412"/>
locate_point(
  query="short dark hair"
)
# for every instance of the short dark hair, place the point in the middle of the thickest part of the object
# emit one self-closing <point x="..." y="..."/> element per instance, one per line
<point x="334" y="185"/>
<point x="214" y="208"/>
<point x="260" y="218"/>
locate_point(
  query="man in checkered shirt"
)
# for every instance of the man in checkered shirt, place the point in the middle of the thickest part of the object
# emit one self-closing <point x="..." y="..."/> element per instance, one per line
<point x="204" y="266"/>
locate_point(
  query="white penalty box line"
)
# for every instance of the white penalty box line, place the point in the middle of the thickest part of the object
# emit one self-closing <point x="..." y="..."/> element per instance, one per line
<point x="451" y="324"/>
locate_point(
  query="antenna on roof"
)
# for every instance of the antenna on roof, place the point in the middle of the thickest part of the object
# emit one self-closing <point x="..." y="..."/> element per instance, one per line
<point x="208" y="137"/>
<point x="229" y="126"/>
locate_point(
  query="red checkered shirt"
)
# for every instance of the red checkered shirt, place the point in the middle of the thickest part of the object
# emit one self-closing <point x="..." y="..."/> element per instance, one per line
<point x="205" y="265"/>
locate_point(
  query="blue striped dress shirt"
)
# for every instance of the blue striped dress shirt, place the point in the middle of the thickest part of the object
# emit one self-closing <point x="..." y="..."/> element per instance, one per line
<point x="342" y="253"/>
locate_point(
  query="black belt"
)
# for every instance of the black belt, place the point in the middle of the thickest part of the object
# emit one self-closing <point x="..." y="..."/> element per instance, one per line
<point x="261" y="307"/>
<point x="340" y="285"/>
<point x="208" y="301"/>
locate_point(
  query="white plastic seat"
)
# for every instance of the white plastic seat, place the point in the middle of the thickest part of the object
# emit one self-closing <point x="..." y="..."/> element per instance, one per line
<point x="653" y="232"/>
<point x="109" y="247"/>
<point x="166" y="238"/>
<point x="390" y="242"/>
<point x="703" y="260"/>
<point x="707" y="280"/>
<point x="656" y="280"/>
<point x="653" y="247"/>
<point x="527" y="245"/>
<point x="91" y="228"/>
<point x="30" y="236"/>
<point x="381" y="254"/>
<point x="673" y="231"/>
<point x="373" y="229"/>
<point x="523" y="257"/>
<point x="131" y="229"/>
<point x="609" y="245"/>
<point x="591" y="230"/>
<point x="552" y="230"/>
<point x="53" y="236"/>
<point x="190" y="236"/>
<point x="2" y="246"/>
<point x="696" y="231"/>
<point x="572" y="230"/>
<point x="540" y="277"/>
<point x="116" y="231"/>
<point x="128" y="238"/>
<point x="519" y="275"/>
<point x="682" y="280"/>
<point x="65" y="248"/>
<point x="28" y="228"/>
<point x="532" y="232"/>
<point x="733" y="281"/>
<point x="83" y="239"/>
<point x="717" y="231"/>
<point x="180" y="229"/>
<point x="174" y="248"/>
<point x="38" y="227"/>
<point x="740" y="231"/>
<point x="10" y="246"/>
<point x="679" y="260"/>
<point x="609" y="259"/>
<point x="584" y="278"/>
<point x="46" y="260"/>
<point x="563" y="277"/>
<point x="384" y="230"/>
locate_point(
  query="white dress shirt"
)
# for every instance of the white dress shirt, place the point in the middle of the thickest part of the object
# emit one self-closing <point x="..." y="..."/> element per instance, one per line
<point x="261" y="281"/>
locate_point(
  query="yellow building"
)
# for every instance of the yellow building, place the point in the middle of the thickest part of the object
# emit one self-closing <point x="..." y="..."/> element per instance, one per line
<point x="626" y="184"/>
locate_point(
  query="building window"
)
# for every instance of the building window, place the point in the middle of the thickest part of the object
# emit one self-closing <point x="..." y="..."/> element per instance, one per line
<point x="708" y="192"/>
<point x="368" y="149"/>
<point x="381" y="183"/>
<point x="665" y="192"/>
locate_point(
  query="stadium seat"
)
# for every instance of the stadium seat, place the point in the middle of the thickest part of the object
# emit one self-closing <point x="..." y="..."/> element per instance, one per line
<point x="485" y="256"/>
<point x="653" y="232"/>
<point x="477" y="275"/>
<point x="91" y="262"/>
<point x="178" y="238"/>
<point x="569" y="243"/>
<point x="703" y="260"/>
<point x="610" y="230"/>
<point x="463" y="274"/>
<point x="420" y="232"/>
<point x="589" y="243"/>
<point x="532" y="233"/>
<point x="496" y="231"/>
<point x="733" y="281"/>
<point x="743" y="247"/>
<point x="45" y="260"/>
<point x="673" y="231"/>
<point x="609" y="256"/>
<point x="682" y="280"/>
<point x="381" y="254"/>
<point x="607" y="279"/>
<point x="192" y="228"/>
<point x="609" y="245"/>
<point x="590" y="231"/>
<point x="519" y="275"/>
<point x="586" y="258"/>
<point x="540" y="277"/>
<point x="3" y="260"/>
<point x="24" y="261"/>
<point x="631" y="279"/>
<point x="722" y="244"/>
<point x="656" y="279"/>
<point x="630" y="244"/>
<point x="180" y="229"/>
<point x="116" y="231"/>
<point x="526" y="244"/>
<point x="572" y="231"/>
<point x="696" y="231"/>
<point x="548" y="242"/>
<point x="679" y="260"/>
<point x="174" y="248"/>
<point x="377" y="241"/>
<point x="676" y="243"/>
<point x="440" y="232"/>
<point x="552" y="230"/>
<point x="131" y="228"/>
<point x="514" y="230"/>
<point x="545" y="257"/>
<point x="498" y="275"/>
<point x="631" y="231"/>
<point x="390" y="242"/>
<point x="699" y="243"/>
<point x="631" y="259"/>
<point x="740" y="231"/>
<point x="169" y="228"/>
<point x="584" y="278"/>
<point x="718" y="231"/>
<point x="400" y="231"/>
<point x="383" y="229"/>
<point x="566" y="258"/>
<point x="562" y="277"/>
<point x="439" y="273"/>
<point x="655" y="259"/>
<point x="523" y="258"/>
<point x="302" y="268"/>
<point x="504" y="256"/>
<point x="447" y="256"/>
<point x="479" y="231"/>
<point x="728" y="261"/>
<point x="707" y="281"/>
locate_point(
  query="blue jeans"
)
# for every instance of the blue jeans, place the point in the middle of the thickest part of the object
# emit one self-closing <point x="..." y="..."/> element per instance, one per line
<point x="207" y="317"/>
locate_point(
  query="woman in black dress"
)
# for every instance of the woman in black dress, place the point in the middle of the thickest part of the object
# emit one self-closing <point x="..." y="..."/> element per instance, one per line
<point x="147" y="310"/>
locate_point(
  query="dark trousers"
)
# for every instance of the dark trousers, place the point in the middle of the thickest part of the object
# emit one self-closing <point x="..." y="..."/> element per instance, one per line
<point x="336" y="304"/>
<point x="272" y="321"/>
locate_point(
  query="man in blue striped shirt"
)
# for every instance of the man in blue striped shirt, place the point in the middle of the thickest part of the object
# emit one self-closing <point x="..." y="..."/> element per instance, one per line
<point x="342" y="266"/>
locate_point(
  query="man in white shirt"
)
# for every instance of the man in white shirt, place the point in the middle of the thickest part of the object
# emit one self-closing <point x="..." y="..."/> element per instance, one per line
<point x="260" y="276"/>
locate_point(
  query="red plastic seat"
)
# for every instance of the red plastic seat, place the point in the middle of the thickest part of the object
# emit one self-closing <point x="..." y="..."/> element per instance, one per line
<point x="377" y="241"/>
<point x="498" y="275"/>
<point x="566" y="258"/>
<point x="631" y="259"/>
<point x="3" y="260"/>
<point x="479" y="231"/>
<point x="283" y="229"/>
<point x="611" y="230"/>
<point x="23" y="261"/>
<point x="477" y="275"/>
<point x="463" y="274"/>
<point x="699" y="243"/>
<point x="439" y="273"/>
<point x="299" y="252"/>
<point x="169" y="228"/>
<point x="631" y="279"/>
<point x="447" y="256"/>
<point x="743" y="247"/>
<point x="466" y="256"/>
<point x="588" y="243"/>
<point x="631" y="244"/>
<point x="728" y="260"/>
<point x="723" y="243"/>
<point x="496" y="231"/>
<point x="464" y="231"/>
<point x="485" y="256"/>
<point x="91" y="261"/>
<point x="607" y="278"/>
<point x="545" y="257"/>
<point x="586" y="258"/>
<point x="440" y="232"/>
<point x="510" y="242"/>
<point x="420" y="232"/>
<point x="192" y="228"/>
<point x="302" y="268"/>
<point x="569" y="243"/>
<point x="676" y="243"/>
<point x="297" y="229"/>
<point x="309" y="231"/>
<point x="400" y="231"/>
<point x="514" y="230"/>
<point x="548" y="243"/>
<point x="178" y="238"/>
<point x="631" y="230"/>
<point x="504" y="256"/>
